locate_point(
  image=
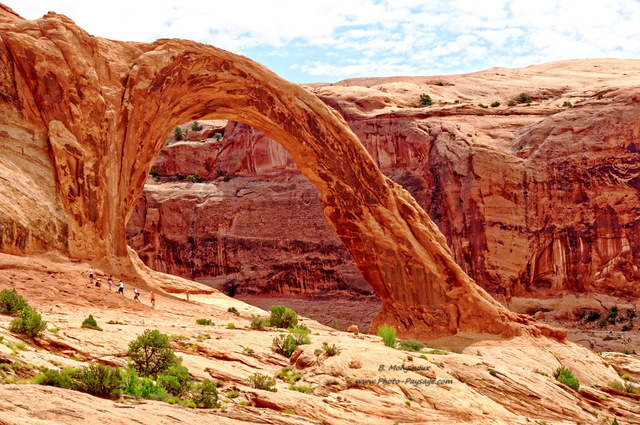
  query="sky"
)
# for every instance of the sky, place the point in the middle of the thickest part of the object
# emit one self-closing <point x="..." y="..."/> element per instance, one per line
<point x="307" y="41"/>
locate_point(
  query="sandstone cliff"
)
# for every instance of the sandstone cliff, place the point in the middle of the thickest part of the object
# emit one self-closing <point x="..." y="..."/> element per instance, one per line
<point x="534" y="199"/>
<point x="103" y="108"/>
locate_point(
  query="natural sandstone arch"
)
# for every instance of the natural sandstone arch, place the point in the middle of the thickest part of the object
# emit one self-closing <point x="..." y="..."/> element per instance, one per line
<point x="106" y="107"/>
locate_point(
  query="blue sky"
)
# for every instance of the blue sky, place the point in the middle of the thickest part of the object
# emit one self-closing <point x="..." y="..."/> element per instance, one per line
<point x="330" y="40"/>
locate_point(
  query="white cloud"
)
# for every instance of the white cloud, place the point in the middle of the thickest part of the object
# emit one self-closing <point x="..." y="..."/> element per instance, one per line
<point x="379" y="36"/>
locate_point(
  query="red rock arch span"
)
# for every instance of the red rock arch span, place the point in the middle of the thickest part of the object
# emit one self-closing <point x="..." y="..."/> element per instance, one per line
<point x="106" y="106"/>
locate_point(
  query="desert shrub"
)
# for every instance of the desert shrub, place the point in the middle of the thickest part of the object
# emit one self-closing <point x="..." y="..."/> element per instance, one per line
<point x="170" y="384"/>
<point x="331" y="350"/>
<point x="612" y="315"/>
<point x="205" y="322"/>
<point x="631" y="313"/>
<point x="11" y="302"/>
<point x="288" y="375"/>
<point x="282" y="317"/>
<point x="217" y="136"/>
<point x="567" y="104"/>
<point x="425" y="100"/>
<point x="175" y="379"/>
<point x="233" y="394"/>
<point x="91" y="323"/>
<point x="590" y="315"/>
<point x="284" y="345"/>
<point x="495" y="104"/>
<point x="302" y="388"/>
<point x="195" y="126"/>
<point x="511" y="103"/>
<point x="410" y="345"/>
<point x="523" y="98"/>
<point x="625" y="328"/>
<point x="258" y="322"/>
<point x="388" y="334"/>
<point x="565" y="375"/>
<point x="234" y="311"/>
<point x="625" y="386"/>
<point x="54" y="378"/>
<point x="600" y="96"/>
<point x="206" y="394"/>
<point x="300" y="334"/>
<point x="482" y="105"/>
<point x="151" y="354"/>
<point x="98" y="380"/>
<point x="194" y="178"/>
<point x="262" y="382"/>
<point x="144" y="387"/>
<point x="178" y="134"/>
<point x="29" y="323"/>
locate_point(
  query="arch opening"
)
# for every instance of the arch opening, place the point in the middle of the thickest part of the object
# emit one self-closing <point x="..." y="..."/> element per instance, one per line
<point x="225" y="206"/>
<point x="108" y="105"/>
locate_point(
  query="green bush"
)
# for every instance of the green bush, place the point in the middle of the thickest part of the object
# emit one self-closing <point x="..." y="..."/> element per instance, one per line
<point x="289" y="375"/>
<point x="194" y="178"/>
<point x="258" y="322"/>
<point x="567" y="104"/>
<point x="388" y="334"/>
<point x="91" y="323"/>
<point x="523" y="98"/>
<point x="625" y="386"/>
<point x="300" y="334"/>
<point x="331" y="350"/>
<point x="410" y="345"/>
<point x="206" y="394"/>
<point x="205" y="322"/>
<point x="11" y="302"/>
<point x="175" y="379"/>
<point x="217" y="136"/>
<point x="284" y="345"/>
<point x="511" y="103"/>
<point x="282" y="317"/>
<point x="151" y="353"/>
<point x="29" y="323"/>
<point x="195" y="126"/>
<point x="495" y="104"/>
<point x="565" y="375"/>
<point x="54" y="378"/>
<point x="178" y="134"/>
<point x="303" y="389"/>
<point x="234" y="311"/>
<point x="98" y="380"/>
<point x="425" y="100"/>
<point x="262" y="382"/>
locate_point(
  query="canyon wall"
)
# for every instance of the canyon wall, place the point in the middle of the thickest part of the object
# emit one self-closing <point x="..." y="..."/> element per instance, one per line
<point x="103" y="109"/>
<point x="533" y="199"/>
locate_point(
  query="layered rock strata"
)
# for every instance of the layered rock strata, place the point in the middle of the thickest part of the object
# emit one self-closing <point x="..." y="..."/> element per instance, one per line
<point x="105" y="107"/>
<point x="534" y="199"/>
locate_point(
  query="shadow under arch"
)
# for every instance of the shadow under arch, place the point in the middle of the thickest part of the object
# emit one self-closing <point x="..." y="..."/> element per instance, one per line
<point x="133" y="94"/>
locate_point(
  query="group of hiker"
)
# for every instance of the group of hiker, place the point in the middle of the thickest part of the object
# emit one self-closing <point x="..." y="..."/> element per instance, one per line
<point x="136" y="293"/>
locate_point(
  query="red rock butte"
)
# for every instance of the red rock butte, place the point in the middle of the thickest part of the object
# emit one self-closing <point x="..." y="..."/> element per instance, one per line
<point x="84" y="117"/>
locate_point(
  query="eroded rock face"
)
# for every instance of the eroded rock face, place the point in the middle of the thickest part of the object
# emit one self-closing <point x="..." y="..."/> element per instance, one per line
<point x="534" y="199"/>
<point x="105" y="108"/>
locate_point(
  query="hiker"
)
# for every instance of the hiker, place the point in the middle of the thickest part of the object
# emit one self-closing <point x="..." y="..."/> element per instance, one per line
<point x="90" y="274"/>
<point x="121" y="288"/>
<point x="152" y="296"/>
<point x="187" y="295"/>
<point x="110" y="282"/>
<point x="136" y="294"/>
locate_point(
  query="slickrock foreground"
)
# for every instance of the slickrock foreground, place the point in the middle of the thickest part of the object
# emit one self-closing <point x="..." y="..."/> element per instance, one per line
<point x="479" y="379"/>
<point x="86" y="116"/>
